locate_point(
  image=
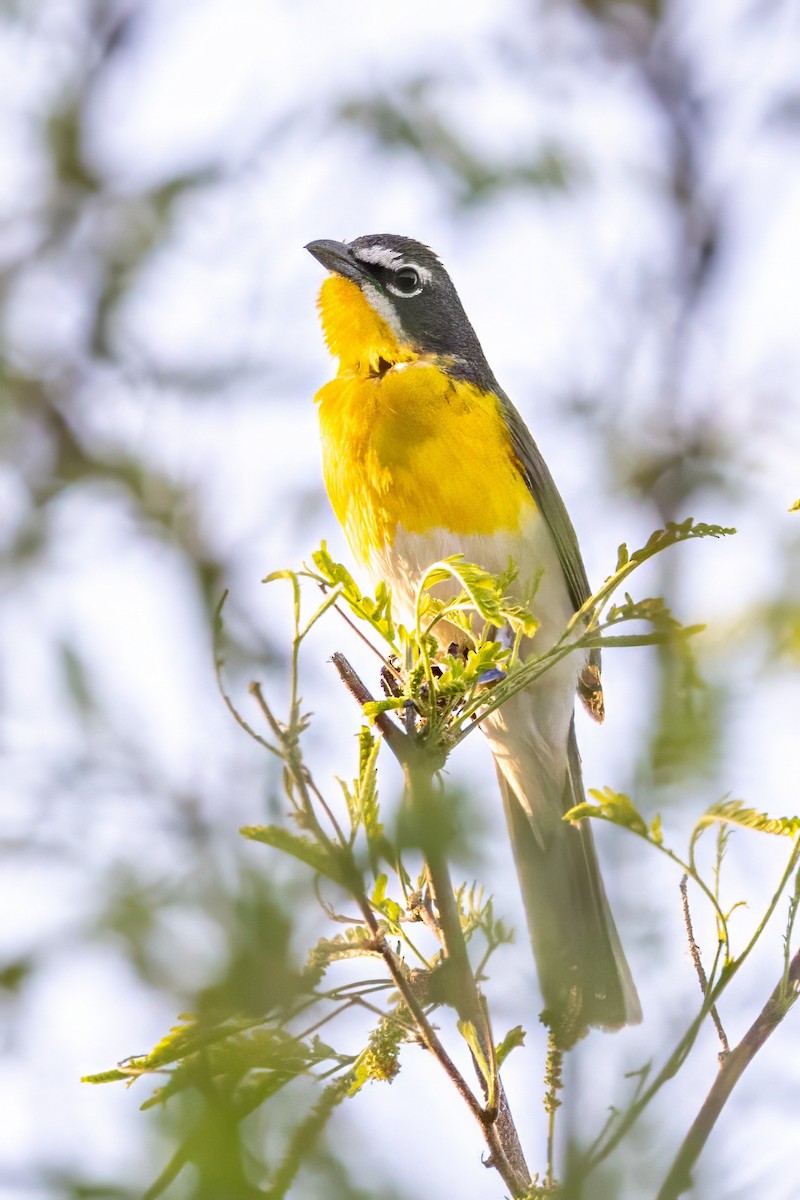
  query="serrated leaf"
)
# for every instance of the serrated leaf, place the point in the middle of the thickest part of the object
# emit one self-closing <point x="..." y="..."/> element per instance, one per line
<point x="661" y="539"/>
<point x="232" y="1043"/>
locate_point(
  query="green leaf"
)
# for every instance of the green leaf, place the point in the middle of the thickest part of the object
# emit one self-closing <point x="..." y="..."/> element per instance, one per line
<point x="350" y="802"/>
<point x="675" y="532"/>
<point x="656" y="638"/>
<point x="795" y="507"/>
<point x="366" y="796"/>
<point x="734" y="812"/>
<point x="391" y="910"/>
<point x="184" y="1040"/>
<point x="656" y="832"/>
<point x="661" y="539"/>
<point x="470" y="1036"/>
<point x="377" y="612"/>
<point x="357" y="942"/>
<point x="379" y="1061"/>
<point x="611" y="806"/>
<point x="373" y="708"/>
<point x="292" y="577"/>
<point x="515" y="1037"/>
<point x="366" y="747"/>
<point x="481" y="591"/>
<point x="274" y="576"/>
<point x="226" y="1051"/>
<point x="302" y="848"/>
<point x="113" y="1076"/>
<point x="384" y="904"/>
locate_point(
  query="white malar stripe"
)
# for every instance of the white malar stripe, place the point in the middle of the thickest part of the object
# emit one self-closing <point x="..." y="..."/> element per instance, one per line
<point x="383" y="307"/>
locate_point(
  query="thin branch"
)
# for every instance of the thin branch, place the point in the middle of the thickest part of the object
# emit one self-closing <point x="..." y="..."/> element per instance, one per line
<point x="331" y="1016"/>
<point x="500" y="1132"/>
<point x="421" y="909"/>
<point x="392" y="733"/>
<point x="425" y="1030"/>
<point x="219" y="663"/>
<point x="554" y="1080"/>
<point x="255" y="691"/>
<point x="360" y="633"/>
<point x="298" y="771"/>
<point x="419" y="765"/>
<point x="783" y="997"/>
<point x="694" y="950"/>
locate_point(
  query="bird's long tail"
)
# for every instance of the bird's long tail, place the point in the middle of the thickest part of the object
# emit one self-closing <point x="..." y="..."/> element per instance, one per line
<point x="583" y="972"/>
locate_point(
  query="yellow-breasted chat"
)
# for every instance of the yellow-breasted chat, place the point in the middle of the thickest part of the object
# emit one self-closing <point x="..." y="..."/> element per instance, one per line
<point x="424" y="456"/>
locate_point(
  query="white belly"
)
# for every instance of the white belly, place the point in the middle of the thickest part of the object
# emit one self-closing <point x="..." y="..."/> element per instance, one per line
<point x="404" y="563"/>
<point x="528" y="735"/>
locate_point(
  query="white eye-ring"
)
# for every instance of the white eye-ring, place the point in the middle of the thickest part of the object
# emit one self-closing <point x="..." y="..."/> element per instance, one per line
<point x="405" y="282"/>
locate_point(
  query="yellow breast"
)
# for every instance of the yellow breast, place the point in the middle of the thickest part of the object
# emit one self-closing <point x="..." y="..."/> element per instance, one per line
<point x="358" y="336"/>
<point x="415" y="449"/>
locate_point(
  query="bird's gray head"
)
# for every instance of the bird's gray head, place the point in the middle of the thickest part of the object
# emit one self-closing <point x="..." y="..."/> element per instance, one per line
<point x="405" y="284"/>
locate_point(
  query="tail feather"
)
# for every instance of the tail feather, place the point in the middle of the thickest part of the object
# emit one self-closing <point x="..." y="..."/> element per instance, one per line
<point x="583" y="973"/>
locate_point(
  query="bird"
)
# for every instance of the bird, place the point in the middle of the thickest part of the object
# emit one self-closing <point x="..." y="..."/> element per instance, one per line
<point x="424" y="456"/>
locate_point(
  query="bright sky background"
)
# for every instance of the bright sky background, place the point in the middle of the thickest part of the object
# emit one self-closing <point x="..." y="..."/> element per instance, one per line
<point x="554" y="288"/>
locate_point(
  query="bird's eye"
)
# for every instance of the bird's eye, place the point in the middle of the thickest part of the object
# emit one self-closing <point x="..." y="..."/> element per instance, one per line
<point x="405" y="282"/>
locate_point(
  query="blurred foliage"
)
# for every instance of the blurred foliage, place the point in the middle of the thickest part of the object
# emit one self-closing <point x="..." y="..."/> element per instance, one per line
<point x="407" y="119"/>
<point x="77" y="245"/>
<point x="226" y="1063"/>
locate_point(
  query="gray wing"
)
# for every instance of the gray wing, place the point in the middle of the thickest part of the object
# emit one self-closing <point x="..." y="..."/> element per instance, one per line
<point x="548" y="500"/>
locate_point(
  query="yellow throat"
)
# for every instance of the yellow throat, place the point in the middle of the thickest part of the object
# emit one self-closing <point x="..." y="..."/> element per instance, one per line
<point x="406" y="445"/>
